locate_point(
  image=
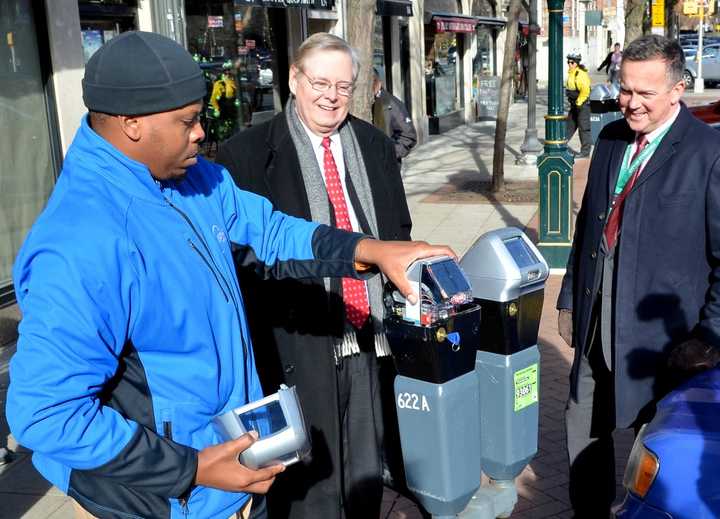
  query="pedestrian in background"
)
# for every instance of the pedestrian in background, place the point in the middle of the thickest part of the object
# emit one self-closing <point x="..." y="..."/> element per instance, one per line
<point x="392" y="118"/>
<point x="611" y="64"/>
<point x="640" y="300"/>
<point x="326" y="337"/>
<point x="577" y="90"/>
<point x="133" y="332"/>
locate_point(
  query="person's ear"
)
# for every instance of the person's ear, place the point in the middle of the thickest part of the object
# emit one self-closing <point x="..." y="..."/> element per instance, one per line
<point x="131" y="126"/>
<point x="293" y="80"/>
<point x="677" y="91"/>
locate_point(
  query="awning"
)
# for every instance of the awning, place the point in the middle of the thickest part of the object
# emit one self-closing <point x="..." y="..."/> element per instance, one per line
<point x="310" y="4"/>
<point x="394" y="8"/>
<point x="493" y="22"/>
<point x="454" y="23"/>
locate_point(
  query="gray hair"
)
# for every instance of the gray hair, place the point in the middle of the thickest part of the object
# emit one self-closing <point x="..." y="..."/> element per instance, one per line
<point x="326" y="41"/>
<point x="653" y="46"/>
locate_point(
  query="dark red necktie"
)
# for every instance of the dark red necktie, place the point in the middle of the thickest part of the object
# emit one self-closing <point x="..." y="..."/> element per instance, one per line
<point x="357" y="308"/>
<point x="612" y="227"/>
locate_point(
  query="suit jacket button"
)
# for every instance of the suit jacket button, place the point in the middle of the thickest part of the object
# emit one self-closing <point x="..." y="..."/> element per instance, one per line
<point x="587" y="291"/>
<point x="593" y="254"/>
<point x="289" y="368"/>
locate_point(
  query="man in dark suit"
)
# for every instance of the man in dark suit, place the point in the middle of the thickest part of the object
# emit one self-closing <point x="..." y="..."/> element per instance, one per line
<point x="640" y="301"/>
<point x="316" y="161"/>
<point x="393" y="119"/>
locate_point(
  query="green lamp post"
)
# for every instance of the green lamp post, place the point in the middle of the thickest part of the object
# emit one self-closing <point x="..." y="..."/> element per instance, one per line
<point x="556" y="163"/>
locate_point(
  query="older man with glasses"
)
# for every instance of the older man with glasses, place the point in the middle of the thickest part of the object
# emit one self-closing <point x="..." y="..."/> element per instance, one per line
<point x="318" y="162"/>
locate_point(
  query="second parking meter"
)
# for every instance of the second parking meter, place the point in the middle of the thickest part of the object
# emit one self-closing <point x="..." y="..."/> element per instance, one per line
<point x="433" y="343"/>
<point x="507" y="274"/>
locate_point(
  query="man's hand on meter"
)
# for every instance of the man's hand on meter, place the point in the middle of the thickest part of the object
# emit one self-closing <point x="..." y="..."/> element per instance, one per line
<point x="394" y="257"/>
<point x="218" y="467"/>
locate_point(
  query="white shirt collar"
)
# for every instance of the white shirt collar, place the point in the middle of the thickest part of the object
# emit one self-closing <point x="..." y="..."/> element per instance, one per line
<point x="316" y="140"/>
<point x="658" y="131"/>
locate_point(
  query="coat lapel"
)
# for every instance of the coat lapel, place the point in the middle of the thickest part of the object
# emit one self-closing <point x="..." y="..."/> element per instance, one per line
<point x="283" y="176"/>
<point x="616" y="157"/>
<point x="666" y="148"/>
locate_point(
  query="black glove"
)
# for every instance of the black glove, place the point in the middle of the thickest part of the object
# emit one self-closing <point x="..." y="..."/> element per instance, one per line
<point x="693" y="356"/>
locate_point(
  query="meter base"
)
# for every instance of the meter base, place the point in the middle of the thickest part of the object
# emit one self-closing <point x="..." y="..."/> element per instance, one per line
<point x="498" y="499"/>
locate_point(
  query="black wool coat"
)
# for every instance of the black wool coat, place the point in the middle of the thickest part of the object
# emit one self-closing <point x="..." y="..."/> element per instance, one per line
<point x="294" y="323"/>
<point x="667" y="285"/>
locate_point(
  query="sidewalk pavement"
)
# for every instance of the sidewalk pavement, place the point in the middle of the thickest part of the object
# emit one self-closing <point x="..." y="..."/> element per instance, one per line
<point x="462" y="154"/>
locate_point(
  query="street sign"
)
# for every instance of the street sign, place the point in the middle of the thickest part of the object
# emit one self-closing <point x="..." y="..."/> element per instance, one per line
<point x="658" y="13"/>
<point x="690" y="8"/>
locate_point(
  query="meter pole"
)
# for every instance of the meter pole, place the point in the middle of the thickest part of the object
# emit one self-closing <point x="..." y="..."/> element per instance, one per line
<point x="699" y="81"/>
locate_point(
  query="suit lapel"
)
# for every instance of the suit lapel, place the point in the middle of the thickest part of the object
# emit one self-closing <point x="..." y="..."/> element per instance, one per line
<point x="666" y="149"/>
<point x="616" y="157"/>
<point x="283" y="176"/>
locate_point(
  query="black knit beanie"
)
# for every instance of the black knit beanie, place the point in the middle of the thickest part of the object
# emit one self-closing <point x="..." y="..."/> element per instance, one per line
<point x="140" y="73"/>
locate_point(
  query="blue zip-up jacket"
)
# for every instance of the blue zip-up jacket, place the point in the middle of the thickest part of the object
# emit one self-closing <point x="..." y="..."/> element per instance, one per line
<point x="133" y="334"/>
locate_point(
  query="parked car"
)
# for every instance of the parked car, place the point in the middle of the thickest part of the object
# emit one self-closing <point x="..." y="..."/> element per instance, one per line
<point x="672" y="472"/>
<point x="710" y="66"/>
<point x="709" y="113"/>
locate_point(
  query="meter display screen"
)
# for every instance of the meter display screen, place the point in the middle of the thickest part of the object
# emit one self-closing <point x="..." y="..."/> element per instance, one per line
<point x="520" y="252"/>
<point x="266" y="420"/>
<point x="449" y="277"/>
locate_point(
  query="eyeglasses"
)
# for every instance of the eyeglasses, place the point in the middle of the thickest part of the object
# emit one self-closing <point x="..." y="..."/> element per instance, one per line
<point x="343" y="88"/>
<point x="571" y="63"/>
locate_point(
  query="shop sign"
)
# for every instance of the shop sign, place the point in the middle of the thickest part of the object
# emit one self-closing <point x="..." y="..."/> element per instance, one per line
<point x="215" y="22"/>
<point x="454" y="24"/>
<point x="488" y="96"/>
<point x="311" y="4"/>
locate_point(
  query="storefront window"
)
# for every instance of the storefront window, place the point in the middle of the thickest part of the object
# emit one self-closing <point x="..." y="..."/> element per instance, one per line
<point x="483" y="63"/>
<point x="102" y="20"/>
<point x="26" y="168"/>
<point x="235" y="45"/>
<point x="441" y="64"/>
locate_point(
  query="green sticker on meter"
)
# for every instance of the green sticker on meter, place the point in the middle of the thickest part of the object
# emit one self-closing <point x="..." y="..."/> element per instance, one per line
<point x="526" y="387"/>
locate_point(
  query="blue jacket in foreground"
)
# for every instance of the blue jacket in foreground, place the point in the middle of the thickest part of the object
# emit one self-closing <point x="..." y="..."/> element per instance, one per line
<point x="134" y="335"/>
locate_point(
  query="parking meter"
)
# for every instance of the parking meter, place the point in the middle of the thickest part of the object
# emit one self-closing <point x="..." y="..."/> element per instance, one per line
<point x="507" y="274"/>
<point x="433" y="343"/>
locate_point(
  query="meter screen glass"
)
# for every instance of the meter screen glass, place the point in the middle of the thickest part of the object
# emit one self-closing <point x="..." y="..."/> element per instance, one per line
<point x="266" y="420"/>
<point x="449" y="277"/>
<point x="520" y="252"/>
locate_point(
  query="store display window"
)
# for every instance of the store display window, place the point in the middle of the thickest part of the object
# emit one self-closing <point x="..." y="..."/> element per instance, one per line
<point x="235" y="45"/>
<point x="27" y="169"/>
<point x="102" y="20"/>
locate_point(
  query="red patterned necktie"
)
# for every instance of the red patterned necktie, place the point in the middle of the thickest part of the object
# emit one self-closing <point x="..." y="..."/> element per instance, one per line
<point x="612" y="227"/>
<point x="357" y="308"/>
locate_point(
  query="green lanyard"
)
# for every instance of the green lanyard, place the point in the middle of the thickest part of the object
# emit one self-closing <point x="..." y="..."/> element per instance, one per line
<point x="627" y="170"/>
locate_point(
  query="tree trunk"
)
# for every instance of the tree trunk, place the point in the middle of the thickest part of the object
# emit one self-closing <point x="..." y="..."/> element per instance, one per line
<point x="498" y="172"/>
<point x="360" y="34"/>
<point x="634" y="15"/>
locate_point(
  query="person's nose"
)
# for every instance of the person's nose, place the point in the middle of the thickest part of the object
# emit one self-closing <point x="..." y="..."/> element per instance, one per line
<point x="198" y="134"/>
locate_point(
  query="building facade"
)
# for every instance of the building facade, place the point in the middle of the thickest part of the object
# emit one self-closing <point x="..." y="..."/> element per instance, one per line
<point x="432" y="54"/>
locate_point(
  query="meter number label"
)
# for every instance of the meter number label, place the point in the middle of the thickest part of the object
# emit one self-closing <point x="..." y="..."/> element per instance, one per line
<point x="526" y="387"/>
<point x="413" y="401"/>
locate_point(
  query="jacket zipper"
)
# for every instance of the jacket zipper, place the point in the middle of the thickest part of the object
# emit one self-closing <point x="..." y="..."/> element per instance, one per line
<point x="215" y="275"/>
<point x="183" y="499"/>
<point x="218" y="276"/>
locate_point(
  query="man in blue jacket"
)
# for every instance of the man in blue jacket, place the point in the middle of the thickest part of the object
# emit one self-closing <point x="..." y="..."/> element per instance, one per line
<point x="134" y="333"/>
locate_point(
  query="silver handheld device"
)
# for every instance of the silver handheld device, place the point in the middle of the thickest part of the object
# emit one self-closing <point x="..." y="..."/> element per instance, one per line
<point x="278" y="420"/>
